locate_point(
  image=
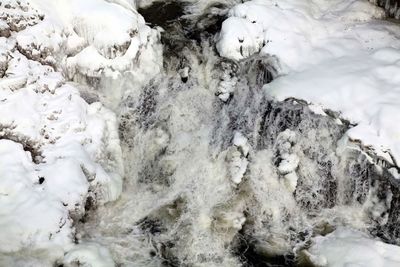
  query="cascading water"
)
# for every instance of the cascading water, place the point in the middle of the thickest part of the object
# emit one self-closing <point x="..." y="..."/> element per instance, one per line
<point x="218" y="174"/>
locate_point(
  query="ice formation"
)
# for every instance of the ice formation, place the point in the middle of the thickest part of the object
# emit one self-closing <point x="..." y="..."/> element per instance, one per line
<point x="224" y="133"/>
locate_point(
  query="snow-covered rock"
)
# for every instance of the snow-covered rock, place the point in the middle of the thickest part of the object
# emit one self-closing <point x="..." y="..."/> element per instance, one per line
<point x="89" y="255"/>
<point x="113" y="41"/>
<point x="30" y="214"/>
<point x="237" y="157"/>
<point x="333" y="54"/>
<point x="58" y="154"/>
<point x="346" y="247"/>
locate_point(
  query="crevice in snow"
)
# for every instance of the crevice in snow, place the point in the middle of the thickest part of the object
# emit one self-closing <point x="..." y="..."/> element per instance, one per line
<point x="29" y="145"/>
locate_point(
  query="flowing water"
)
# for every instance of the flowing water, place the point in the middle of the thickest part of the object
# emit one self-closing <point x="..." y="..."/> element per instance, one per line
<point x="218" y="174"/>
<point x="392" y="7"/>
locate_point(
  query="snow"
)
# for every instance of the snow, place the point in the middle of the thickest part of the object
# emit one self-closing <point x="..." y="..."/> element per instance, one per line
<point x="113" y="41"/>
<point x="23" y="201"/>
<point x="226" y="87"/>
<point x="56" y="150"/>
<point x="89" y="255"/>
<point x="73" y="142"/>
<point x="237" y="157"/>
<point x="335" y="55"/>
<point x="346" y="247"/>
<point x="288" y="160"/>
<point x="241" y="142"/>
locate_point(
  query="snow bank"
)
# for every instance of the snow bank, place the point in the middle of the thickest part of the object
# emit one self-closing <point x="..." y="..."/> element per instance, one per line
<point x="58" y="153"/>
<point x="346" y="247"/>
<point x="333" y="54"/>
<point x="24" y="201"/>
<point x="90" y="255"/>
<point x="112" y="41"/>
<point x="55" y="151"/>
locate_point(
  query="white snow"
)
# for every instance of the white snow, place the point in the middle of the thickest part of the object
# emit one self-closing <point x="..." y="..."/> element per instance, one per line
<point x="237" y="166"/>
<point x="241" y="142"/>
<point x="288" y="160"/>
<point x="88" y="255"/>
<point x="56" y="150"/>
<point x="237" y="157"/>
<point x="333" y="54"/>
<point x="346" y="247"/>
<point x="113" y="41"/>
<point x="23" y="203"/>
<point x="226" y="87"/>
<point x="77" y="146"/>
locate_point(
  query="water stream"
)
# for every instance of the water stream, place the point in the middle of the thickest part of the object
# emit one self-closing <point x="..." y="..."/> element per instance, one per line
<point x="218" y="174"/>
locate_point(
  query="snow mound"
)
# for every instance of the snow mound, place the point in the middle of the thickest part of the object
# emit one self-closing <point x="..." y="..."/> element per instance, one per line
<point x="332" y="54"/>
<point x="112" y="41"/>
<point x="346" y="247"/>
<point x="59" y="155"/>
<point x="16" y="16"/>
<point x="89" y="255"/>
<point x="24" y="200"/>
<point x="56" y="151"/>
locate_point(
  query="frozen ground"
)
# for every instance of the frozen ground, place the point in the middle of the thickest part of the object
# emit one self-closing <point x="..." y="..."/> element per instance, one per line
<point x="201" y="173"/>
